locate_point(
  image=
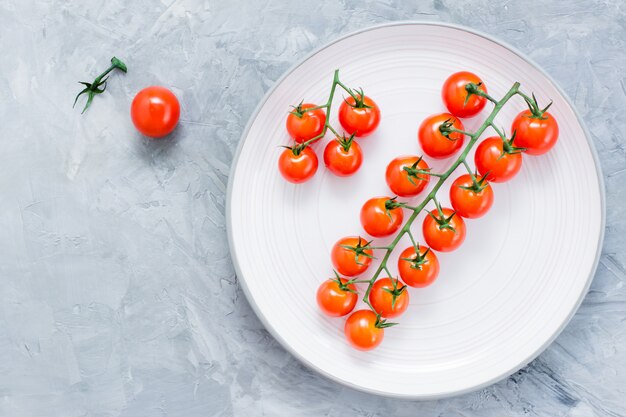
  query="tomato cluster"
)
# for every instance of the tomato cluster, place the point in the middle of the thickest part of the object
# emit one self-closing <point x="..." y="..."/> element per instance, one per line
<point x="307" y="123"/>
<point x="497" y="159"/>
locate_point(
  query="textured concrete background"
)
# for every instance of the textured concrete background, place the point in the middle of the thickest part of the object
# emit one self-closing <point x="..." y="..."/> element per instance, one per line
<point x="117" y="293"/>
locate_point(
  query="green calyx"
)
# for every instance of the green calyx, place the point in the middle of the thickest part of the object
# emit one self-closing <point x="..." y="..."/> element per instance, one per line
<point x="473" y="89"/>
<point x="443" y="222"/>
<point x="478" y="183"/>
<point x="395" y="291"/>
<point x="345" y="143"/>
<point x="508" y="148"/>
<point x="99" y="85"/>
<point x="343" y="286"/>
<point x="533" y="106"/>
<point x="419" y="259"/>
<point x="359" y="98"/>
<point x="446" y="128"/>
<point x="413" y="172"/>
<point x="382" y="323"/>
<point x="360" y="250"/>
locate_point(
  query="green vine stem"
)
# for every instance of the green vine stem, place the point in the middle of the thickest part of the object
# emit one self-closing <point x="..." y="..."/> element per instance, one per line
<point x="473" y="138"/>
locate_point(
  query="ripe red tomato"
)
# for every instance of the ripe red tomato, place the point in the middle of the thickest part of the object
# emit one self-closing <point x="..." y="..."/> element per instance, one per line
<point x="303" y="125"/>
<point x="497" y="159"/>
<point x="336" y="297"/>
<point x="155" y="111"/>
<point x="389" y="297"/>
<point x="443" y="233"/>
<point x="351" y="255"/>
<point x="362" y="330"/>
<point x="538" y="134"/>
<point x="455" y="94"/>
<point x="359" y="117"/>
<point x="418" y="271"/>
<point x="381" y="216"/>
<point x="404" y="177"/>
<point x="471" y="200"/>
<point x="343" y="157"/>
<point x="297" y="165"/>
<point x="433" y="142"/>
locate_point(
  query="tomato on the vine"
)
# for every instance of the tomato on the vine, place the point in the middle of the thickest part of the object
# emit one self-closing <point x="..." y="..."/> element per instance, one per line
<point x="359" y="116"/>
<point x="381" y="216"/>
<point x="458" y="94"/>
<point x="471" y="199"/>
<point x="498" y="159"/>
<point x="389" y="297"/>
<point x="337" y="297"/>
<point x="303" y="124"/>
<point x="363" y="330"/>
<point x="343" y="157"/>
<point x="155" y="111"/>
<point x="435" y="137"/>
<point x="537" y="134"/>
<point x="351" y="255"/>
<point x="418" y="271"/>
<point x="297" y="165"/>
<point x="445" y="231"/>
<point x="407" y="176"/>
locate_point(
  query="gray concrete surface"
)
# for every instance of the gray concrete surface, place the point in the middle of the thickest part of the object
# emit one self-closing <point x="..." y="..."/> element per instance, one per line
<point x="117" y="293"/>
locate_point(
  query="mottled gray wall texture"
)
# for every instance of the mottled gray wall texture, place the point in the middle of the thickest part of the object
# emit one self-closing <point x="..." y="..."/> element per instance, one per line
<point x="117" y="292"/>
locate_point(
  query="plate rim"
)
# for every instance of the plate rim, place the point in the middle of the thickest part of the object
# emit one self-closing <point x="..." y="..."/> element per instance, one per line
<point x="275" y="333"/>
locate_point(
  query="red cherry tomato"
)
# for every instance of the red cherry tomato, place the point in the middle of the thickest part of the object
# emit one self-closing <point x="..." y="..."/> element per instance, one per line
<point x="303" y="125"/>
<point x="299" y="166"/>
<point x="382" y="297"/>
<point x="380" y="216"/>
<point x="471" y="200"/>
<point x="433" y="142"/>
<point x="403" y="177"/>
<point x="343" y="157"/>
<point x="455" y="94"/>
<point x="418" y="271"/>
<point x="351" y="256"/>
<point x="446" y="233"/>
<point x="155" y="111"/>
<point x="359" y="118"/>
<point x="336" y="297"/>
<point x="499" y="164"/>
<point x="537" y="134"/>
<point x="362" y="331"/>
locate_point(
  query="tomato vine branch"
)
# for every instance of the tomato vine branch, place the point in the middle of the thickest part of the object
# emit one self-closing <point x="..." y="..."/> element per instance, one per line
<point x="406" y="228"/>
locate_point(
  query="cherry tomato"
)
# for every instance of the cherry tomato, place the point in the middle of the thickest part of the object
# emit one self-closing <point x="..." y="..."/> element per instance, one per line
<point x="403" y="176"/>
<point x="362" y="331"/>
<point x="418" y="271"/>
<point x="351" y="256"/>
<point x="538" y="134"/>
<point x="433" y="142"/>
<point x="471" y="200"/>
<point x="443" y="233"/>
<point x="155" y="111"/>
<point x="303" y="125"/>
<point x="454" y="94"/>
<point x="359" y="117"/>
<point x="497" y="159"/>
<point x="343" y="157"/>
<point x="381" y="216"/>
<point x="299" y="165"/>
<point x="336" y="297"/>
<point x="382" y="297"/>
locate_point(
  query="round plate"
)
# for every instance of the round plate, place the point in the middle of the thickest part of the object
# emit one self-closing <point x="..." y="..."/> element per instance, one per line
<point x="499" y="300"/>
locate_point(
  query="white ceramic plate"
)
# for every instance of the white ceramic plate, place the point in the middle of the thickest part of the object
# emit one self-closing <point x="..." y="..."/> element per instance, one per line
<point x="499" y="300"/>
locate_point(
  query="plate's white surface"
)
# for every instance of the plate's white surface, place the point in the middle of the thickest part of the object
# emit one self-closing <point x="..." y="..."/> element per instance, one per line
<point x="499" y="300"/>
